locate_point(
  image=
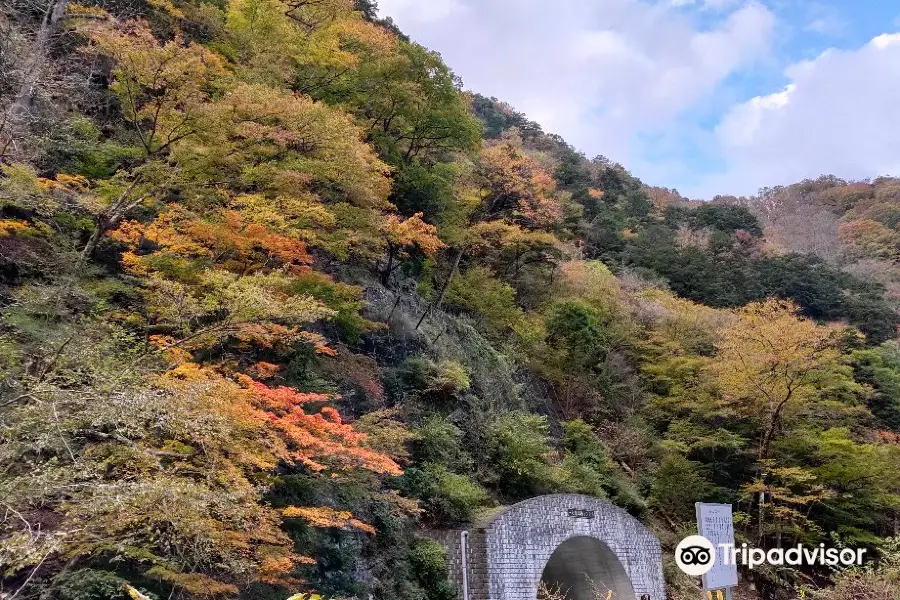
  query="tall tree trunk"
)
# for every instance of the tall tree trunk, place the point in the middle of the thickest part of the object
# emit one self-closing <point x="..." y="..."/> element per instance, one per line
<point x="774" y="420"/>
<point x="17" y="117"/>
<point x="394" y="308"/>
<point x="764" y="446"/>
<point x="449" y="280"/>
<point x="444" y="288"/>
<point x="109" y="219"/>
<point x="386" y="273"/>
<point x="762" y="517"/>
<point x="101" y="227"/>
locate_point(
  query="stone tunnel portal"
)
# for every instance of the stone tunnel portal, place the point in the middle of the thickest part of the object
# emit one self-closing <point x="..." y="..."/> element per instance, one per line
<point x="584" y="568"/>
<point x="566" y="539"/>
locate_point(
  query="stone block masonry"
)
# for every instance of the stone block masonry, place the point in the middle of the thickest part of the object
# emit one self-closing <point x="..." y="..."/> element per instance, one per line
<point x="572" y="542"/>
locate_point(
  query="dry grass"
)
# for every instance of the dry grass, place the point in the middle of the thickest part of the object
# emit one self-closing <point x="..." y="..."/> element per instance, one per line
<point x="862" y="586"/>
<point x="556" y="592"/>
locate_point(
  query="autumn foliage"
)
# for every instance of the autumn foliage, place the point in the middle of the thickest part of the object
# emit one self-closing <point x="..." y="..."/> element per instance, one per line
<point x="276" y="294"/>
<point x="314" y="438"/>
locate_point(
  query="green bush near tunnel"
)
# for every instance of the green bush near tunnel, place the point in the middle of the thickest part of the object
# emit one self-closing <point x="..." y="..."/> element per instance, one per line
<point x="429" y="562"/>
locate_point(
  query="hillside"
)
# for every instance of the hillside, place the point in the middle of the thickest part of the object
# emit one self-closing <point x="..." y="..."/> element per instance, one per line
<point x="276" y="295"/>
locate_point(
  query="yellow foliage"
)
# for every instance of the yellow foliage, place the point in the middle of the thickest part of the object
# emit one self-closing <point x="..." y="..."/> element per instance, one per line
<point x="679" y="322"/>
<point x="301" y="215"/>
<point x="493" y="235"/>
<point x="195" y="583"/>
<point x="288" y="42"/>
<point x="770" y="360"/>
<point x="75" y="10"/>
<point x="10" y="227"/>
<point x="162" y="86"/>
<point x="20" y="186"/>
<point x="302" y="144"/>
<point x="590" y="280"/>
<point x="78" y="183"/>
<point x="167" y="6"/>
<point x="868" y="238"/>
<point x="134" y="594"/>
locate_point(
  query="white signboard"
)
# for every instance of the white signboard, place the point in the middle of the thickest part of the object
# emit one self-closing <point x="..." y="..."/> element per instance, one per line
<point x="715" y="523"/>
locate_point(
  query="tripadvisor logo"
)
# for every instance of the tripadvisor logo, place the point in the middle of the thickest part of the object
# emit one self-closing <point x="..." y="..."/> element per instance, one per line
<point x="696" y="556"/>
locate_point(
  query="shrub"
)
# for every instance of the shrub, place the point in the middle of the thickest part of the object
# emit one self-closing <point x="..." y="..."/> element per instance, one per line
<point x="589" y="469"/>
<point x="863" y="586"/>
<point x="676" y="485"/>
<point x="450" y="499"/>
<point x="438" y="440"/>
<point x="494" y="303"/>
<point x="520" y="452"/>
<point x="91" y="584"/>
<point x="440" y="381"/>
<point x="880" y="581"/>
<point x="429" y="562"/>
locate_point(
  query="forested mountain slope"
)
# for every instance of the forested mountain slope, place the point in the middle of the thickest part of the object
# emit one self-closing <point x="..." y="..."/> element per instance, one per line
<point x="275" y="295"/>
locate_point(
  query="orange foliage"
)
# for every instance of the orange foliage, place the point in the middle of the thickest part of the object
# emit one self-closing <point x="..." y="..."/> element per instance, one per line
<point x="519" y="187"/>
<point x="268" y="335"/>
<point x="272" y="570"/>
<point x="265" y="370"/>
<point x="868" y="238"/>
<point x="318" y="342"/>
<point x="168" y="346"/>
<point x="239" y="239"/>
<point x="412" y="232"/>
<point x="318" y="438"/>
<point x="65" y="183"/>
<point x="662" y="198"/>
<point x="244" y="431"/>
<point x="196" y="583"/>
<point x="884" y="436"/>
<point x="321" y="516"/>
<point x="230" y="240"/>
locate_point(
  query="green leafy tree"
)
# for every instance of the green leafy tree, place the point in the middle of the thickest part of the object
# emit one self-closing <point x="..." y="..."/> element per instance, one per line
<point x="521" y="452"/>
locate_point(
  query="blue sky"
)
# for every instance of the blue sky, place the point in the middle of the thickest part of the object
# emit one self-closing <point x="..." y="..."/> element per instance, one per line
<point x="706" y="96"/>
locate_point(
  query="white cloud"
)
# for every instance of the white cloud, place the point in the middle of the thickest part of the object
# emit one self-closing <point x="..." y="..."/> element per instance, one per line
<point x="603" y="44"/>
<point x="705" y="4"/>
<point x="825" y="20"/>
<point x="885" y="39"/>
<point x="598" y="73"/>
<point x="840" y="115"/>
<point x="427" y="11"/>
<point x="719" y="4"/>
<point x="742" y="124"/>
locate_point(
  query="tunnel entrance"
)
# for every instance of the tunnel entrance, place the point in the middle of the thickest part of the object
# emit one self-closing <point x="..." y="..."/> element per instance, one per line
<point x="584" y="568"/>
<point x="564" y="540"/>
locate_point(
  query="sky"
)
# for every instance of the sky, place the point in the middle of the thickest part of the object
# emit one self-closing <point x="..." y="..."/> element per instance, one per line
<point x="705" y="96"/>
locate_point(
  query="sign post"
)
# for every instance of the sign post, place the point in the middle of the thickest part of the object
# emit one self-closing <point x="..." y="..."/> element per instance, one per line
<point x="715" y="523"/>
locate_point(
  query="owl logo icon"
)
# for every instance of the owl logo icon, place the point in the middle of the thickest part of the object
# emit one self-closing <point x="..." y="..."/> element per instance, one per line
<point x="695" y="555"/>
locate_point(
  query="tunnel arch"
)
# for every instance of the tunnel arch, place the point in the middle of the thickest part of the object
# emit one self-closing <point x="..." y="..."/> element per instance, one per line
<point x="520" y="542"/>
<point x="584" y="568"/>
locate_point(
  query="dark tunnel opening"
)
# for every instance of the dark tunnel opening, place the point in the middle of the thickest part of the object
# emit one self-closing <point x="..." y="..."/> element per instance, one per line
<point x="584" y="568"/>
